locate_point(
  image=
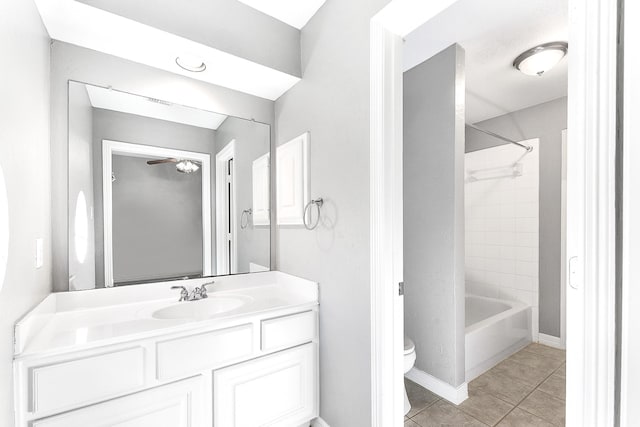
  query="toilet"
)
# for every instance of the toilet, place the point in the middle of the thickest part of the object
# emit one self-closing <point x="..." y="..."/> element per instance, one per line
<point x="409" y="360"/>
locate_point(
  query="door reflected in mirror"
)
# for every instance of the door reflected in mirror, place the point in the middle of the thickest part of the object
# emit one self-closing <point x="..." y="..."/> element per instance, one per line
<point x="159" y="191"/>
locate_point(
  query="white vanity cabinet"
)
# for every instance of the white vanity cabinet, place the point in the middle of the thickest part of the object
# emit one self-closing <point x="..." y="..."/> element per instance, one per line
<point x="250" y="371"/>
<point x="107" y="358"/>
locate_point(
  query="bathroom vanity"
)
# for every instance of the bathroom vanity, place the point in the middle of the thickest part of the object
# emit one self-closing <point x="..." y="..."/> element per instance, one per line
<point x="245" y="356"/>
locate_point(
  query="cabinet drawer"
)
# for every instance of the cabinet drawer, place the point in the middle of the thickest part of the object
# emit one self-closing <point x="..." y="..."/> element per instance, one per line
<point x="190" y="355"/>
<point x="179" y="404"/>
<point x="288" y="331"/>
<point x="77" y="382"/>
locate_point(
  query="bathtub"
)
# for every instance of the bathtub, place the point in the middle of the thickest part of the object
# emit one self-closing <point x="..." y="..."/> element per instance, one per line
<point x="494" y="330"/>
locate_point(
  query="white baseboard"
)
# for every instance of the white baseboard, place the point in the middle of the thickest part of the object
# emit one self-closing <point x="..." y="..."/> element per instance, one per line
<point x="551" y="341"/>
<point x="319" y="422"/>
<point x="455" y="395"/>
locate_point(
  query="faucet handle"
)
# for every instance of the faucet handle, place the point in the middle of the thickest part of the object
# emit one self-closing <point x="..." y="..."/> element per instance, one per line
<point x="202" y="290"/>
<point x="184" y="293"/>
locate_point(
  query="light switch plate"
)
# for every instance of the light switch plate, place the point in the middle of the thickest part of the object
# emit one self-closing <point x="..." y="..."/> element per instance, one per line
<point x="39" y="252"/>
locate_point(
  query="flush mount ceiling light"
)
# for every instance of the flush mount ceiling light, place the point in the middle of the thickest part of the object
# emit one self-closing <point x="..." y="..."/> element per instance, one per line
<point x="191" y="63"/>
<point x="540" y="59"/>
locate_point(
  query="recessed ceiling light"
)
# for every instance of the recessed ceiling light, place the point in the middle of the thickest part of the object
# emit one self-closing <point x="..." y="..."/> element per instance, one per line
<point x="191" y="63"/>
<point x="540" y="59"/>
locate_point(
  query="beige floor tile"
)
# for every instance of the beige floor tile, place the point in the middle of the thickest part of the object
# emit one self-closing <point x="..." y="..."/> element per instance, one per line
<point x="520" y="418"/>
<point x="555" y="386"/>
<point x="535" y="360"/>
<point x="443" y="413"/>
<point x="545" y="406"/>
<point x="562" y="370"/>
<point x="419" y="397"/>
<point x="522" y="373"/>
<point x="485" y="407"/>
<point x="501" y="386"/>
<point x="544" y="350"/>
<point x="409" y="423"/>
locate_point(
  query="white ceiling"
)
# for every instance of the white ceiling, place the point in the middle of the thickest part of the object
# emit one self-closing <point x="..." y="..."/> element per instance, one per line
<point x="114" y="100"/>
<point x="77" y="23"/>
<point x="493" y="33"/>
<point x="293" y="12"/>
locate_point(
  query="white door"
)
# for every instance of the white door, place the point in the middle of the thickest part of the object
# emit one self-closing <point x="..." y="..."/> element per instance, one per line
<point x="179" y="404"/>
<point x="276" y="390"/>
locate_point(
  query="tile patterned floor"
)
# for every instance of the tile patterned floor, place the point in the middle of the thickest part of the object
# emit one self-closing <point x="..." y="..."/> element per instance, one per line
<point x="527" y="389"/>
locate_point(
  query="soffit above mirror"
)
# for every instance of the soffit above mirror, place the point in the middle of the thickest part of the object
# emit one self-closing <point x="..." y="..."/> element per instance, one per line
<point x="293" y="12"/>
<point x="227" y="25"/>
<point x="87" y="26"/>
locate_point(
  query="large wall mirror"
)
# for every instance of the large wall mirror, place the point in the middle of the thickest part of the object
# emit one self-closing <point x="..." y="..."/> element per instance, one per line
<point x="159" y="191"/>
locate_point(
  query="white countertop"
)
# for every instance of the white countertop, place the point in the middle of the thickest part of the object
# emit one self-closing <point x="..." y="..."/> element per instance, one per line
<point x="73" y="321"/>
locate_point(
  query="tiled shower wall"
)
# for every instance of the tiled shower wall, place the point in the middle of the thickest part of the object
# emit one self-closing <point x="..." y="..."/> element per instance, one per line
<point x="501" y="224"/>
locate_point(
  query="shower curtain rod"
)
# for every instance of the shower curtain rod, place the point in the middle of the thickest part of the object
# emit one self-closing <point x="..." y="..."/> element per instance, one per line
<point x="495" y="135"/>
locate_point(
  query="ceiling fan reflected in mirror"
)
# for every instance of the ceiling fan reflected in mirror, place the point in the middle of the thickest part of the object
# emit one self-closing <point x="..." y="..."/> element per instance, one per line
<point x="182" y="165"/>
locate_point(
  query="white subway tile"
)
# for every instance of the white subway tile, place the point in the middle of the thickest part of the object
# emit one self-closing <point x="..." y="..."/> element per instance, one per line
<point x="525" y="268"/>
<point x="527" y="225"/>
<point x="527" y="239"/>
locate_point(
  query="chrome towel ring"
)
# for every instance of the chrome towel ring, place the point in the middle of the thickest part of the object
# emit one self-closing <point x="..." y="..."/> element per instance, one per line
<point x="318" y="204"/>
<point x="244" y="218"/>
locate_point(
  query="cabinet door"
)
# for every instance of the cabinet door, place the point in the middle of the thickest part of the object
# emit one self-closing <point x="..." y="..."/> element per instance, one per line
<point x="179" y="404"/>
<point x="276" y="390"/>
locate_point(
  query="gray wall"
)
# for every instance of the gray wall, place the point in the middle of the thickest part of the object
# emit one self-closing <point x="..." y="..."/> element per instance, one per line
<point x="24" y="156"/>
<point x="433" y="110"/>
<point x="545" y="121"/>
<point x="81" y="272"/>
<point x="227" y="25"/>
<point x="157" y="220"/>
<point x="70" y="62"/>
<point x="252" y="141"/>
<point x="118" y="126"/>
<point x="332" y="103"/>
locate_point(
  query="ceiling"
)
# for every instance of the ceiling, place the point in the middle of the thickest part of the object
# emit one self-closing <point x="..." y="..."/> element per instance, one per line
<point x="293" y="12"/>
<point x="493" y="33"/>
<point x="123" y="102"/>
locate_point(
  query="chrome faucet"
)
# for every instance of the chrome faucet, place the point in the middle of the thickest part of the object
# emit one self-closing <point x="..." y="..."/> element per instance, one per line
<point x="200" y="292"/>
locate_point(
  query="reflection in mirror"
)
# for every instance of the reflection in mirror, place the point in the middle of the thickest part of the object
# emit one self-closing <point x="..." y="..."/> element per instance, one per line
<point x="159" y="191"/>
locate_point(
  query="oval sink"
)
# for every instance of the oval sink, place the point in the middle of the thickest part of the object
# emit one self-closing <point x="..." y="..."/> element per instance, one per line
<point x="201" y="309"/>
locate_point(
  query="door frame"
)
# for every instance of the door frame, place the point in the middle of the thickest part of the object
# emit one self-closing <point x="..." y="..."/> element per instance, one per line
<point x="222" y="260"/>
<point x="590" y="205"/>
<point x="109" y="148"/>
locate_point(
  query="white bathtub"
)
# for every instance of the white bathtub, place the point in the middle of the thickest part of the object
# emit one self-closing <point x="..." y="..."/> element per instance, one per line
<point x="494" y="330"/>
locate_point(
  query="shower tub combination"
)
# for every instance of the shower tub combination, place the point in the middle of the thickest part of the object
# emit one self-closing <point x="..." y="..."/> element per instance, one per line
<point x="494" y="330"/>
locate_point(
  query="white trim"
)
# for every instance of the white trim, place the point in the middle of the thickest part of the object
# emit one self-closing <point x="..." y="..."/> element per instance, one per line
<point x="563" y="245"/>
<point x="630" y="309"/>
<point x="591" y="207"/>
<point x="222" y="261"/>
<point x="455" y="395"/>
<point x="551" y="341"/>
<point x="137" y="150"/>
<point x="386" y="258"/>
<point x="319" y="422"/>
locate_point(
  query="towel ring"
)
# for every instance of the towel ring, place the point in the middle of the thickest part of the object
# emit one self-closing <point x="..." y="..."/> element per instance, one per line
<point x="318" y="204"/>
<point x="244" y="218"/>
